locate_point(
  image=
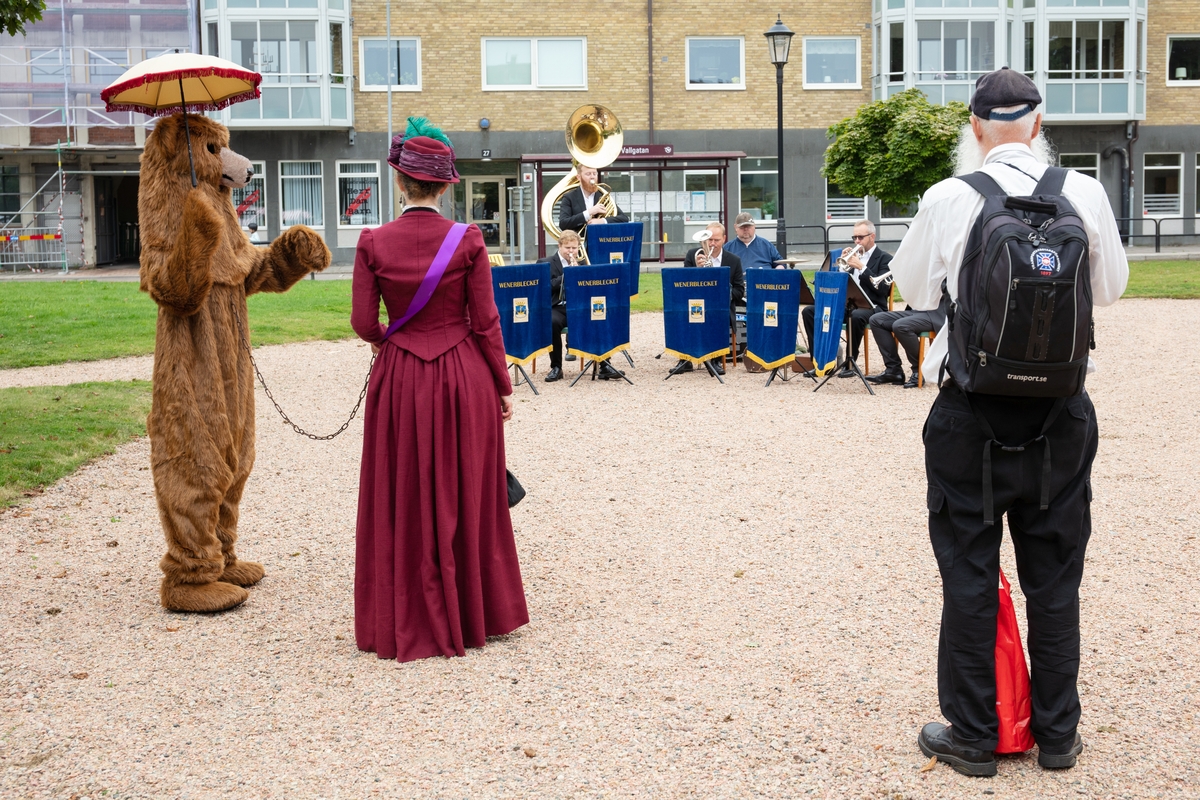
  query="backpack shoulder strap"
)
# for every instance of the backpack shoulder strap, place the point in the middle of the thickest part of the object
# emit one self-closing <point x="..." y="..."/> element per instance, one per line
<point x="983" y="183"/>
<point x="1051" y="182"/>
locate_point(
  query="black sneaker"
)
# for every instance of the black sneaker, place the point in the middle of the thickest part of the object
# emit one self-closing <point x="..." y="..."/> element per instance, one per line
<point x="1049" y="759"/>
<point x="937" y="740"/>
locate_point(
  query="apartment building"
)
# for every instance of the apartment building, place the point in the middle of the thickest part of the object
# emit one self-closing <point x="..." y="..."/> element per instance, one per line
<point x="691" y="82"/>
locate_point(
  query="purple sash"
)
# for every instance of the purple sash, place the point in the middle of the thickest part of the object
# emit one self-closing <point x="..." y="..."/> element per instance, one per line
<point x="432" y="277"/>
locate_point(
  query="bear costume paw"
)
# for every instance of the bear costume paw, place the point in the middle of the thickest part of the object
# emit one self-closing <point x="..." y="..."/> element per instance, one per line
<point x="203" y="597"/>
<point x="242" y="573"/>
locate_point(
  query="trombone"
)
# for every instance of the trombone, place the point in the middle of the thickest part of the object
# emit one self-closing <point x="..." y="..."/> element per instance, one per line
<point x="594" y="139"/>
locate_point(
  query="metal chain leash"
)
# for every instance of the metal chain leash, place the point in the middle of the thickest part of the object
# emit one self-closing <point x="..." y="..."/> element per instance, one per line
<point x="361" y="395"/>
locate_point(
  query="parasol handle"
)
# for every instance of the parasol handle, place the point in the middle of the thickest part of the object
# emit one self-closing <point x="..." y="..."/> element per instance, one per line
<point x="187" y="133"/>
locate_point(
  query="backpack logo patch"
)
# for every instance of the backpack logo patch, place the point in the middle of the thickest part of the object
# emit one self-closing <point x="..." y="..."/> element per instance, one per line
<point x="1046" y="262"/>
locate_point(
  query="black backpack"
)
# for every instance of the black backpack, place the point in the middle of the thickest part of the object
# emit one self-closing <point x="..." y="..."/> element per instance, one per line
<point x="1022" y="325"/>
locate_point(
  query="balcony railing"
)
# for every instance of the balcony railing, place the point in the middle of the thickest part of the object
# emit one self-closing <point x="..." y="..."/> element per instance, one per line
<point x="302" y="98"/>
<point x="1159" y="205"/>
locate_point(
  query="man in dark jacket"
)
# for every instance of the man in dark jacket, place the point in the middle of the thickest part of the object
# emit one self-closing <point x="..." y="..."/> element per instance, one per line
<point x="873" y="263"/>
<point x="565" y="256"/>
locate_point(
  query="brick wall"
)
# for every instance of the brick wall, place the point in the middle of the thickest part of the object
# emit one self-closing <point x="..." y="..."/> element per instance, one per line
<point x="453" y="97"/>
<point x="1169" y="105"/>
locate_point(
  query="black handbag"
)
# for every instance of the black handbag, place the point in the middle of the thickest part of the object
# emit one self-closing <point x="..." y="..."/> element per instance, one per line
<point x="516" y="492"/>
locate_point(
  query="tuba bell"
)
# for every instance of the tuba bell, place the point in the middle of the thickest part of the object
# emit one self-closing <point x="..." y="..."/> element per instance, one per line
<point x="594" y="138"/>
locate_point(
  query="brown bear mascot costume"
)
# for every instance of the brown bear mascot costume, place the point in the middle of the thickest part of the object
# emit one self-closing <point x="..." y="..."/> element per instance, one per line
<point x="199" y="266"/>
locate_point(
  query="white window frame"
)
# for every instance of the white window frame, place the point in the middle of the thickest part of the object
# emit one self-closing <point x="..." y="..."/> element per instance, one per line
<point x="1145" y="195"/>
<point x="740" y="86"/>
<point x="266" y="218"/>
<point x="363" y="86"/>
<point x="338" y="190"/>
<point x="1094" y="156"/>
<point x="1167" y="60"/>
<point x="533" y="64"/>
<point x="832" y="86"/>
<point x="317" y="226"/>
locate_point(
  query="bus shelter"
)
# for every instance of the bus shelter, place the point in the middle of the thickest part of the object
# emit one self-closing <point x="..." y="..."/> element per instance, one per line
<point x="674" y="194"/>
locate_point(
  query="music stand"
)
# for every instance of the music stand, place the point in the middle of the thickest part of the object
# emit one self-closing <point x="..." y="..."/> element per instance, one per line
<point x="517" y="368"/>
<point x="854" y="299"/>
<point x="708" y="365"/>
<point x="595" y="366"/>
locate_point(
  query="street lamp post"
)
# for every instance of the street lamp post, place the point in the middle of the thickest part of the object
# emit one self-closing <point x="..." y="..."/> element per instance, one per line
<point x="779" y="40"/>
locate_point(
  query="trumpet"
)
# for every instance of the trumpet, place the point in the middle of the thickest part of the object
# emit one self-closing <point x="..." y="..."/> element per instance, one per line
<point x="704" y="255"/>
<point x="885" y="279"/>
<point x="844" y="260"/>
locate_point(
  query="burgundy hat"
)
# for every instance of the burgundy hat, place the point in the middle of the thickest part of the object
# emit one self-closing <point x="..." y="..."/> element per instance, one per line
<point x="1003" y="88"/>
<point x="423" y="159"/>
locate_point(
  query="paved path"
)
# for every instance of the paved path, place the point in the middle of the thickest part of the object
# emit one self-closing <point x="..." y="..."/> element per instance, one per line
<point x="731" y="591"/>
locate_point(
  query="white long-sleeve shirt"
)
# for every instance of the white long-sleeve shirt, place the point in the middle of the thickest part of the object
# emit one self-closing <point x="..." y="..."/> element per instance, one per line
<point x="932" y="249"/>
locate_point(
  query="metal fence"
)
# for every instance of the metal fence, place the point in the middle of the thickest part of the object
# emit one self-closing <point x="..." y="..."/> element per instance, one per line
<point x="35" y="249"/>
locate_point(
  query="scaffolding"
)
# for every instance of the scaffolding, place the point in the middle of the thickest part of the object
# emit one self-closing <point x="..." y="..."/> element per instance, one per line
<point x="26" y="240"/>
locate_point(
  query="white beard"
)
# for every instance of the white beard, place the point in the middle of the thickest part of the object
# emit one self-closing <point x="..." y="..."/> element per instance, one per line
<point x="969" y="155"/>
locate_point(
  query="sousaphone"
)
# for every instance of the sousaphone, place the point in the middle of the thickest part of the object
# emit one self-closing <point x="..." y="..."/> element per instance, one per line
<point x="594" y="139"/>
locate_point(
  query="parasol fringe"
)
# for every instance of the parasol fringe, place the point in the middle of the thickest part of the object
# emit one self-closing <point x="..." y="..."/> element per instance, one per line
<point x="174" y="75"/>
<point x="196" y="108"/>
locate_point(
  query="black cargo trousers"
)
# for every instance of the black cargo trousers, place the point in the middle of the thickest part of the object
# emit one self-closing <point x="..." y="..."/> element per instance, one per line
<point x="1049" y="546"/>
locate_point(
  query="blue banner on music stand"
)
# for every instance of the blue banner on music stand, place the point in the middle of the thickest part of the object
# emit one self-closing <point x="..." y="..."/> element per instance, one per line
<point x="772" y="316"/>
<point x="696" y="312"/>
<point x="829" y="290"/>
<point x="597" y="310"/>
<point x="523" y="299"/>
<point x="618" y="242"/>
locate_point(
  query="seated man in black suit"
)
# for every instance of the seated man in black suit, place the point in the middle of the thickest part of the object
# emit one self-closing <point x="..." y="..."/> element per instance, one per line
<point x="907" y="326"/>
<point x="872" y="264"/>
<point x="580" y="208"/>
<point x="565" y="256"/>
<point x="712" y="254"/>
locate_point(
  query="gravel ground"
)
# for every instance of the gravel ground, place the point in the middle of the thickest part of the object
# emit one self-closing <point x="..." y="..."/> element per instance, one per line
<point x="731" y="592"/>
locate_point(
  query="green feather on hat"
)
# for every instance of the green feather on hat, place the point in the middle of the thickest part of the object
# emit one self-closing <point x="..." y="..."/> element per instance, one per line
<point x="420" y="126"/>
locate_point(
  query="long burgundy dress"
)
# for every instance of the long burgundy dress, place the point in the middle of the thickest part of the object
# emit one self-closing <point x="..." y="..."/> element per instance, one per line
<point x="436" y="565"/>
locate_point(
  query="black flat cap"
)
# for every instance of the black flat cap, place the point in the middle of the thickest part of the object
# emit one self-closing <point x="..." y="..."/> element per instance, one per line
<point x="1002" y="88"/>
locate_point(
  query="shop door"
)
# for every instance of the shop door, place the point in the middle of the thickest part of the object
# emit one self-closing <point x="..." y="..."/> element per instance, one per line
<point x="107" y="226"/>
<point x="486" y="207"/>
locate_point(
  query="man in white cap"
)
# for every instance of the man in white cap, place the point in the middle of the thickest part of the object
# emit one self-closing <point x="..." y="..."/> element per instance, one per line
<point x="754" y="251"/>
<point x="988" y="455"/>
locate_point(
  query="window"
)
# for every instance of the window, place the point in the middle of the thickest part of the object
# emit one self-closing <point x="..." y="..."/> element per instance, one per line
<point x="842" y="206"/>
<point x="514" y="64"/>
<point x="48" y="67"/>
<point x="1162" y="180"/>
<point x="402" y="66"/>
<point x="1198" y="184"/>
<point x="300" y="189"/>
<point x="105" y="66"/>
<point x="10" y="193"/>
<point x="760" y="187"/>
<point x="1083" y="163"/>
<point x="213" y="47"/>
<point x="896" y="53"/>
<point x="358" y="193"/>
<point x="955" y="49"/>
<point x="1087" y="49"/>
<point x="1183" y="60"/>
<point x="716" y="63"/>
<point x="832" y="63"/>
<point x="272" y="4"/>
<point x="251" y="200"/>
<point x="285" y="52"/>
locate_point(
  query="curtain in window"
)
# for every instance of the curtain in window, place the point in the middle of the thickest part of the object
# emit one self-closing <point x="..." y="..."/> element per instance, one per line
<point x="358" y="193"/>
<point x="301" y="201"/>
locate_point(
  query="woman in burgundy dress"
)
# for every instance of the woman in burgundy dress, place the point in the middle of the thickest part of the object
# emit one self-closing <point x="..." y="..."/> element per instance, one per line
<point x="436" y="565"/>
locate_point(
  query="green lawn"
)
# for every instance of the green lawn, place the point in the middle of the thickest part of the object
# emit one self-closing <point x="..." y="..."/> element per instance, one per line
<point x="1174" y="279"/>
<point x="50" y="431"/>
<point x="49" y="323"/>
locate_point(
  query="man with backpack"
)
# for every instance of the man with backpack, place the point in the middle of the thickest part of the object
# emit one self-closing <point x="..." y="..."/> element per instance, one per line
<point x="1024" y="251"/>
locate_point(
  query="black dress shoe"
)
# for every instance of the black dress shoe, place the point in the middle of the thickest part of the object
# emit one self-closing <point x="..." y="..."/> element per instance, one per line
<point x="569" y="357"/>
<point x="681" y="367"/>
<point x="717" y="366"/>
<point x="555" y="374"/>
<point x="911" y="383"/>
<point x="937" y="740"/>
<point x="608" y="373"/>
<point x="1050" y="759"/>
<point x="846" y="372"/>
<point x="887" y="376"/>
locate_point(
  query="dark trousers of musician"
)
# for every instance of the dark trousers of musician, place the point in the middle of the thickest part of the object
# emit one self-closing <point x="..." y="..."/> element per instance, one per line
<point x="558" y="321"/>
<point x="906" y="325"/>
<point x="859" y="318"/>
<point x="1049" y="546"/>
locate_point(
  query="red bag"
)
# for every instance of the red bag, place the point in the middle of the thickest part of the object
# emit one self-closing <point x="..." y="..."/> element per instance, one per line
<point x="1012" y="678"/>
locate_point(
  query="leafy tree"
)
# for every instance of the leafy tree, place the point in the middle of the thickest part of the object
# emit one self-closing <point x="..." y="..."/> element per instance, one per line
<point x="894" y="149"/>
<point x="15" y="13"/>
